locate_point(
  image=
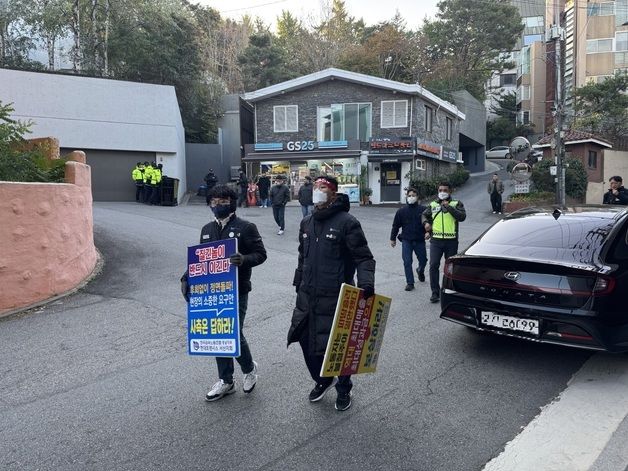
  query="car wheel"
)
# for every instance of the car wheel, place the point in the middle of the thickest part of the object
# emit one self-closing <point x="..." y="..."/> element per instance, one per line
<point x="508" y="156"/>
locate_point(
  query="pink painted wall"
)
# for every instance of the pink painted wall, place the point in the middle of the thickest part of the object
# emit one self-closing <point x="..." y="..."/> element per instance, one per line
<point x="46" y="237"/>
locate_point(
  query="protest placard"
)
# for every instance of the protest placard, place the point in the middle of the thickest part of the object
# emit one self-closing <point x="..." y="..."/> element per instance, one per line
<point x="213" y="321"/>
<point x="356" y="336"/>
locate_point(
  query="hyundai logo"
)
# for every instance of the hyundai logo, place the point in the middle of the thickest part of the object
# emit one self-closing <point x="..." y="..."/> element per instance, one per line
<point x="512" y="275"/>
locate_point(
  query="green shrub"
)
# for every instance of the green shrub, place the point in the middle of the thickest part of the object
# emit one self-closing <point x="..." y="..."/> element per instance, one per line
<point x="534" y="197"/>
<point x="428" y="187"/>
<point x="19" y="165"/>
<point x="575" y="178"/>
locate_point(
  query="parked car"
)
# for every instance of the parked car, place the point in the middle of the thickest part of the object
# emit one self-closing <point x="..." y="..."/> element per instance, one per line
<point x="548" y="276"/>
<point x="499" y="152"/>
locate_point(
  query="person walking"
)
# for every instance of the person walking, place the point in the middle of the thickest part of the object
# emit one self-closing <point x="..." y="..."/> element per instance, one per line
<point x="251" y="253"/>
<point x="243" y="185"/>
<point x="495" y="189"/>
<point x="263" y="183"/>
<point x="305" y="196"/>
<point x="332" y="247"/>
<point x="412" y="237"/>
<point x="137" y="174"/>
<point x="279" y="197"/>
<point x="616" y="194"/>
<point x="210" y="182"/>
<point x="440" y="220"/>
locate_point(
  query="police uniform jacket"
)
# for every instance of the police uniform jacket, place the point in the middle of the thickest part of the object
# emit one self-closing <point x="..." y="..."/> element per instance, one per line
<point x="332" y="247"/>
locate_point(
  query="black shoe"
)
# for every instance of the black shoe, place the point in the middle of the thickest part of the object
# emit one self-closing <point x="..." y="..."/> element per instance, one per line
<point x="421" y="275"/>
<point x="409" y="287"/>
<point x="319" y="391"/>
<point x="434" y="298"/>
<point x="343" y="401"/>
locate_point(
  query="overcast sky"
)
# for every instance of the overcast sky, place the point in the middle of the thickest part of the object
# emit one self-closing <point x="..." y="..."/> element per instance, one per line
<point x="372" y="11"/>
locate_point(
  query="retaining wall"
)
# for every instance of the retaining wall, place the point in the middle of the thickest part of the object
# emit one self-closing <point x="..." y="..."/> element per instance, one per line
<point x="46" y="237"/>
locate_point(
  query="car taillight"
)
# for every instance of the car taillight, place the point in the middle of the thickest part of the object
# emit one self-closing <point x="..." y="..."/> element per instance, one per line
<point x="449" y="269"/>
<point x="603" y="285"/>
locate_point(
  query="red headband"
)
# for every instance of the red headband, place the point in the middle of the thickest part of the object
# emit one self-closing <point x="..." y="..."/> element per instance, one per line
<point x="327" y="182"/>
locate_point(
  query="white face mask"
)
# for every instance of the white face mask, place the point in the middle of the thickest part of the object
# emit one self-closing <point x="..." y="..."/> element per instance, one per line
<point x="411" y="199"/>
<point x="443" y="195"/>
<point x="319" y="196"/>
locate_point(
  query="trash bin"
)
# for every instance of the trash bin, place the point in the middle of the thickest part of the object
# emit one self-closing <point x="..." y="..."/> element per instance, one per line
<point x="169" y="191"/>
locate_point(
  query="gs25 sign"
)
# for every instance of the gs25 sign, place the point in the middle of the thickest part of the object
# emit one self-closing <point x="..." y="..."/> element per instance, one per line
<point x="299" y="145"/>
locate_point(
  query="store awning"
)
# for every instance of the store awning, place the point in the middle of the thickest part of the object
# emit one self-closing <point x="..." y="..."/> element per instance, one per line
<point x="399" y="157"/>
<point x="310" y="155"/>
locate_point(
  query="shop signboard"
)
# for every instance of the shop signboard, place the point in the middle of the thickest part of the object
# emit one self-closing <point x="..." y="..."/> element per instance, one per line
<point x="397" y="145"/>
<point x="448" y="155"/>
<point x="299" y="146"/>
<point x="428" y="149"/>
<point x="213" y="321"/>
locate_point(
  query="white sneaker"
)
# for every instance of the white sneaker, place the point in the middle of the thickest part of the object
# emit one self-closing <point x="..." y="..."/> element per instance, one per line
<point x="220" y="390"/>
<point x="250" y="379"/>
<point x="280" y="232"/>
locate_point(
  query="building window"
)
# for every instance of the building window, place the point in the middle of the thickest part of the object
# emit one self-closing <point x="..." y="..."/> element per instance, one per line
<point x="621" y="41"/>
<point x="394" y="114"/>
<point x="599" y="45"/>
<point x="428" y="118"/>
<point x="592" y="159"/>
<point x="286" y="118"/>
<point x="507" y="80"/>
<point x="342" y="122"/>
<point x="525" y="117"/>
<point x="450" y="128"/>
<point x="420" y="164"/>
<point x="533" y="21"/>
<point x="524" y="68"/>
<point x="621" y="13"/>
<point x="601" y="9"/>
<point x="523" y="93"/>
<point x="531" y="38"/>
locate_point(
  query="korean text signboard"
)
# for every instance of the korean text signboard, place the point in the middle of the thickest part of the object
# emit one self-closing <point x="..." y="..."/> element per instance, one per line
<point x="213" y="321"/>
<point x="357" y="332"/>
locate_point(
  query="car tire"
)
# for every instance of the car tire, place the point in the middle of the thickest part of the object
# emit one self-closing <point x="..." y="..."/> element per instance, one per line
<point x="508" y="156"/>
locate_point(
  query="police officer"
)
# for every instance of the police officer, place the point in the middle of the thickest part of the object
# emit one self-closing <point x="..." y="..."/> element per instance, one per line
<point x="138" y="177"/>
<point x="148" y="190"/>
<point x="155" y="182"/>
<point x="440" y="220"/>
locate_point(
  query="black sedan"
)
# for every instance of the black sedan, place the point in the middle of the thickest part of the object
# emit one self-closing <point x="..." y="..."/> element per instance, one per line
<point x="548" y="276"/>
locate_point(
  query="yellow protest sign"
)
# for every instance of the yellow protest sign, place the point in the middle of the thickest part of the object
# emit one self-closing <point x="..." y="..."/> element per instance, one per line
<point x="356" y="336"/>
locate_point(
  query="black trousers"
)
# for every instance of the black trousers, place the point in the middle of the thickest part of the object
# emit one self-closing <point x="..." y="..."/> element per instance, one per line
<point x="438" y="248"/>
<point x="245" y="360"/>
<point x="496" y="201"/>
<point x="148" y="193"/>
<point x="279" y="215"/>
<point x="315" y="362"/>
<point x="139" y="191"/>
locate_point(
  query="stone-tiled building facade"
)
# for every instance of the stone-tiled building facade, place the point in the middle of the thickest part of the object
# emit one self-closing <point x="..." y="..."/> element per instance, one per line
<point x="354" y="126"/>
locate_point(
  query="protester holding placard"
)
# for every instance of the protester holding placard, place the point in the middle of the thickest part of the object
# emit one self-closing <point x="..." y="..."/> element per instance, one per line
<point x="332" y="246"/>
<point x="251" y="252"/>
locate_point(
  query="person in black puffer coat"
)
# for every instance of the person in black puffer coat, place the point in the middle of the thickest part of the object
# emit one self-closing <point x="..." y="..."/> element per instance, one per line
<point x="332" y="247"/>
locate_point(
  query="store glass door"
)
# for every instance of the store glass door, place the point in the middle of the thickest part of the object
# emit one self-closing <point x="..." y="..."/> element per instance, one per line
<point x="390" y="180"/>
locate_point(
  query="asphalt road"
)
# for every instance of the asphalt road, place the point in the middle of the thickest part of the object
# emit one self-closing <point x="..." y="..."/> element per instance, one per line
<point x="101" y="380"/>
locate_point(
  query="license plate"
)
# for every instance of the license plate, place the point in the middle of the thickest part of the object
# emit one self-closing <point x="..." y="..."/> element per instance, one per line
<point x="510" y="323"/>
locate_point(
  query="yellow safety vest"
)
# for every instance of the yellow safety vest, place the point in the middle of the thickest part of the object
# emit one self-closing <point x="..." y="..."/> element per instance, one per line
<point x="155" y="176"/>
<point x="443" y="224"/>
<point x="147" y="174"/>
<point x="136" y="174"/>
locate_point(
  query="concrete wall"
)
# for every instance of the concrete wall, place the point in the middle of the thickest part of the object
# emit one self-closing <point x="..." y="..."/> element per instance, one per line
<point x="472" y="131"/>
<point x="99" y="114"/>
<point x="47" y="237"/>
<point x="200" y="158"/>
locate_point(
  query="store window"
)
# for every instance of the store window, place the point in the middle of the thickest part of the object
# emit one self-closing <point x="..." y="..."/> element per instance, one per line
<point x="394" y="114"/>
<point x="286" y="118"/>
<point x="341" y="122"/>
<point x="428" y="118"/>
<point x="592" y="159"/>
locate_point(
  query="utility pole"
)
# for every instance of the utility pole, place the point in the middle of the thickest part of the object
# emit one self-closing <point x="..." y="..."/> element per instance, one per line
<point x="557" y="34"/>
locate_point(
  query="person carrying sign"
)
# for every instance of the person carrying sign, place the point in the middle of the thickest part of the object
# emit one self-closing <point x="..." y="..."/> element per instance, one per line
<point x="332" y="246"/>
<point x="251" y="252"/>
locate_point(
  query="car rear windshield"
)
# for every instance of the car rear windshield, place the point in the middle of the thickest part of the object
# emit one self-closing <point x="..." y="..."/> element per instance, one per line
<point x="573" y="238"/>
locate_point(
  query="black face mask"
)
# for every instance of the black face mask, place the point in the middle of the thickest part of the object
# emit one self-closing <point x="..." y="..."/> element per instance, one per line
<point x="222" y="210"/>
